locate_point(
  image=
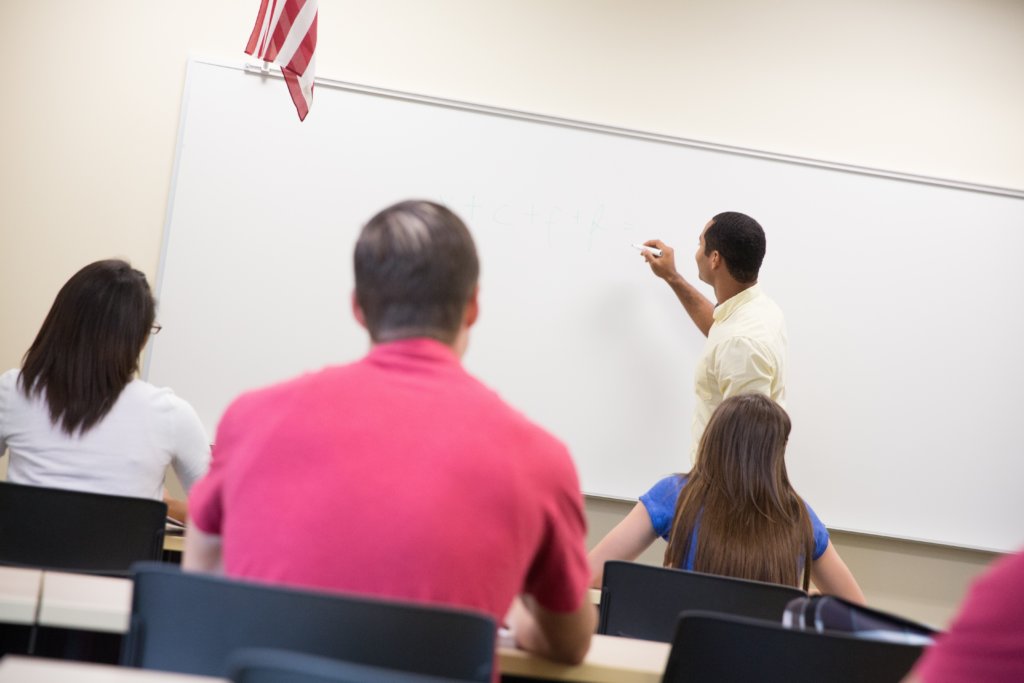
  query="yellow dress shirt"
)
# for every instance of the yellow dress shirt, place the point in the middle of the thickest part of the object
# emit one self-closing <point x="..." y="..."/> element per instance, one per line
<point x="745" y="353"/>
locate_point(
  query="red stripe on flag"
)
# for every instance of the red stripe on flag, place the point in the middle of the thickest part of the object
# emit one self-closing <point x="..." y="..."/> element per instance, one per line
<point x="283" y="28"/>
<point x="260" y="18"/>
<point x="265" y="43"/>
<point x="304" y="53"/>
<point x="295" y="90"/>
<point x="275" y="22"/>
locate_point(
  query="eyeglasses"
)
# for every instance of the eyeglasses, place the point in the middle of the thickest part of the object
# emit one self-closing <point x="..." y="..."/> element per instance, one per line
<point x="155" y="329"/>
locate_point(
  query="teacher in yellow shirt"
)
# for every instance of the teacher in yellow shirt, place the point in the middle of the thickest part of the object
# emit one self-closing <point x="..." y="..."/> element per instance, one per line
<point x="746" y="333"/>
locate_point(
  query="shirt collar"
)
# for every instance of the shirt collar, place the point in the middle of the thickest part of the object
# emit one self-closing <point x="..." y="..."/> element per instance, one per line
<point x="413" y="351"/>
<point x="727" y="307"/>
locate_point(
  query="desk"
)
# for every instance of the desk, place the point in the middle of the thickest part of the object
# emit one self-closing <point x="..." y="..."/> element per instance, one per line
<point x="174" y="544"/>
<point x="610" y="660"/>
<point x="19" y="595"/>
<point x="15" y="669"/>
<point x="101" y="603"/>
<point x="85" y="602"/>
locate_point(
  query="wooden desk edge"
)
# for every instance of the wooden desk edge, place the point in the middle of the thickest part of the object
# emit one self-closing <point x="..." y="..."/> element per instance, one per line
<point x="610" y="660"/>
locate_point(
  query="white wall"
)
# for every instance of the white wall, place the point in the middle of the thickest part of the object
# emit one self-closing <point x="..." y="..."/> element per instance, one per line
<point x="92" y="94"/>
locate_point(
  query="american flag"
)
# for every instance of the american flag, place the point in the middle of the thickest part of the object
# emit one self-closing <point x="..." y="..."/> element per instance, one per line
<point x="285" y="34"/>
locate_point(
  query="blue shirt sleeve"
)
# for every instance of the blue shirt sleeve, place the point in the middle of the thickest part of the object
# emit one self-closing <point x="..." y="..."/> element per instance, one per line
<point x="820" y="533"/>
<point x="660" y="502"/>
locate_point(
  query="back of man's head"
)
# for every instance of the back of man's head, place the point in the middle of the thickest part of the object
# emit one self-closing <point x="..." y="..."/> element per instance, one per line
<point x="741" y="242"/>
<point x="416" y="268"/>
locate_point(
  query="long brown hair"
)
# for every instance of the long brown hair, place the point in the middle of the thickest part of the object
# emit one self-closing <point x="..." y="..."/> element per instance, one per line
<point x="88" y="348"/>
<point x="752" y="524"/>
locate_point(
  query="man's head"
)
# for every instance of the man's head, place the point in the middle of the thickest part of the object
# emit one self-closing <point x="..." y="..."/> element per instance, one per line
<point x="416" y="273"/>
<point x="736" y="240"/>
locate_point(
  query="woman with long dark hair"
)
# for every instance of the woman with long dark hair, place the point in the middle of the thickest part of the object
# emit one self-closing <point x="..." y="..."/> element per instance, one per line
<point x="735" y="514"/>
<point x="75" y="416"/>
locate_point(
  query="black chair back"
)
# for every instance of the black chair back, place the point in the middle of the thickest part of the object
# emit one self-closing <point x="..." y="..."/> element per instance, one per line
<point x="72" y="530"/>
<point x="641" y="601"/>
<point x="190" y="623"/>
<point x="267" y="665"/>
<point x="729" y="649"/>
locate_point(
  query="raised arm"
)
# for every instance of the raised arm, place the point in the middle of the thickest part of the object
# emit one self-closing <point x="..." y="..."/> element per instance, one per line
<point x="698" y="306"/>
<point x="626" y="541"/>
<point x="832" y="577"/>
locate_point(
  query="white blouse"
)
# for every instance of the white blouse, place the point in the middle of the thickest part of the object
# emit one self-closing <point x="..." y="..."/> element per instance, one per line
<point x="126" y="453"/>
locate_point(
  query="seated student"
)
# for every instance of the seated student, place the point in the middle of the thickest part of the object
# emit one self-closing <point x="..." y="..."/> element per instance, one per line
<point x="75" y="417"/>
<point x="735" y="513"/>
<point x="985" y="643"/>
<point x="401" y="475"/>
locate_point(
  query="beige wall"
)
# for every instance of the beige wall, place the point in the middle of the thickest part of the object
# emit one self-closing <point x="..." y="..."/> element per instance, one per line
<point x="92" y="94"/>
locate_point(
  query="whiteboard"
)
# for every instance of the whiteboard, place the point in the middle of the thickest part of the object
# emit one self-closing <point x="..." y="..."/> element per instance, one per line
<point x="902" y="297"/>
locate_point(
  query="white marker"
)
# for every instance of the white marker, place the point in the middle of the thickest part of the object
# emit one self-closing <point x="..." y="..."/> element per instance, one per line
<point x="653" y="250"/>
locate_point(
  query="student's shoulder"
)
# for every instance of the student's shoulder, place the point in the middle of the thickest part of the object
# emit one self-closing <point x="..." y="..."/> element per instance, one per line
<point x="9" y="380"/>
<point x="288" y="393"/>
<point x="139" y="392"/>
<point x="666" y="489"/>
<point x="8" y="386"/>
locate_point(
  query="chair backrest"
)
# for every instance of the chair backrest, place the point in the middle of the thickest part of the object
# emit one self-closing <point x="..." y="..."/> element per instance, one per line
<point x="268" y="665"/>
<point x="191" y="623"/>
<point x="726" y="649"/>
<point x="89" y="532"/>
<point x="641" y="601"/>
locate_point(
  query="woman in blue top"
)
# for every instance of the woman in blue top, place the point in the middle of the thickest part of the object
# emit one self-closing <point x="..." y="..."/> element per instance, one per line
<point x="735" y="513"/>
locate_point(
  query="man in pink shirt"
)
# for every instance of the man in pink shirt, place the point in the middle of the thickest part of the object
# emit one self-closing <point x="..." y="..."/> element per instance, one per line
<point x="400" y="475"/>
<point x="985" y="643"/>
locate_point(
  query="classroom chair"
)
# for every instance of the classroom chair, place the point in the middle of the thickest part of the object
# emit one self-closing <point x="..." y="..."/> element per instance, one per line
<point x="642" y="601"/>
<point x="726" y="648"/>
<point x="77" y="531"/>
<point x="191" y="623"/>
<point x="269" y="665"/>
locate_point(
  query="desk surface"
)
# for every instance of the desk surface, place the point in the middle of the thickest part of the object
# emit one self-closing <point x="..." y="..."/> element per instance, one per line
<point x="15" y="669"/>
<point x="174" y="544"/>
<point x="610" y="660"/>
<point x="19" y="594"/>
<point x="88" y="603"/>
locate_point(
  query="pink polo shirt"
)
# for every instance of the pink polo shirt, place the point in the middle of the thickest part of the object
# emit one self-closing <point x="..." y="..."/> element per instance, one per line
<point x="400" y="476"/>
<point x="985" y="644"/>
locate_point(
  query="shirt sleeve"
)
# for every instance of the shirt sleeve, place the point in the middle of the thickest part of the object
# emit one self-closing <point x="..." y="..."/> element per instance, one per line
<point x="206" y="499"/>
<point x="984" y="641"/>
<point x="743" y="366"/>
<point x="660" y="502"/>
<point x="191" y="450"/>
<point x="820" y="533"/>
<point x="8" y="383"/>
<point x="560" y="573"/>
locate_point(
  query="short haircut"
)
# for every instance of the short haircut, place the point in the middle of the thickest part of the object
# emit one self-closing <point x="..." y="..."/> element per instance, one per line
<point x="88" y="348"/>
<point x="740" y="240"/>
<point x="416" y="268"/>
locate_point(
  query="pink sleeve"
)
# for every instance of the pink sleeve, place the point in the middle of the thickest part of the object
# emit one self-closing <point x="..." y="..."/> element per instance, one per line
<point x="560" y="574"/>
<point x="986" y="640"/>
<point x="205" y="500"/>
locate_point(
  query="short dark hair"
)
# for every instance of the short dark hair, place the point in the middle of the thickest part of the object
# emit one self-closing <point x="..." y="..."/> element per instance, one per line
<point x="416" y="267"/>
<point x="740" y="240"/>
<point x="88" y="347"/>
